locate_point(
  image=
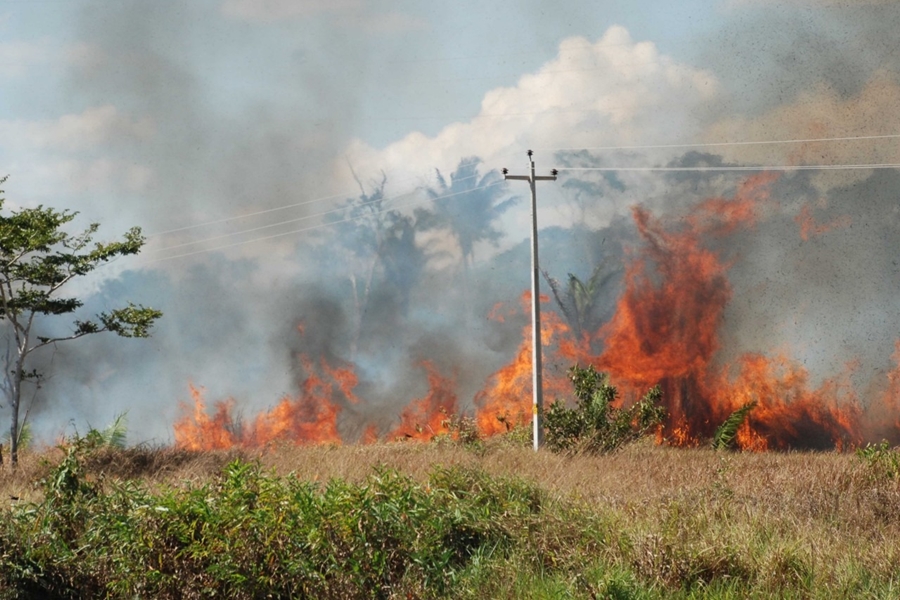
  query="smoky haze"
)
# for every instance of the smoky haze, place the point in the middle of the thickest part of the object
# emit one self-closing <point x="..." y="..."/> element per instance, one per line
<point x="385" y="289"/>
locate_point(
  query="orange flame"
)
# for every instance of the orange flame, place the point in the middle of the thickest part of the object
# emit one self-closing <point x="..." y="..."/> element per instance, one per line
<point x="199" y="431"/>
<point x="665" y="331"/>
<point x="309" y="419"/>
<point x="427" y="417"/>
<point x="506" y="400"/>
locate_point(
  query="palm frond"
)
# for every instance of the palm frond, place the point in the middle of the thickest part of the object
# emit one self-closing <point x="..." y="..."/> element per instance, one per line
<point x="723" y="439"/>
<point x="115" y="433"/>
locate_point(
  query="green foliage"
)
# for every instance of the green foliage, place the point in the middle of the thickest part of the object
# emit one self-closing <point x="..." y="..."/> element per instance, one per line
<point x="725" y="434"/>
<point x="596" y="424"/>
<point x="578" y="301"/>
<point x="38" y="257"/>
<point x="113" y="436"/>
<point x="882" y="461"/>
<point x="250" y="534"/>
<point x="246" y="533"/>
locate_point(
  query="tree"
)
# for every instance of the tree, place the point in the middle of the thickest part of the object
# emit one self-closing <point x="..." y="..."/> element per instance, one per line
<point x="37" y="259"/>
<point x="578" y="302"/>
<point x="377" y="236"/>
<point x="468" y="207"/>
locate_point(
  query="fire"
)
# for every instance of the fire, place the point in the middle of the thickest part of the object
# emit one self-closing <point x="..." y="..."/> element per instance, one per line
<point x="199" y="431"/>
<point x="789" y="414"/>
<point x="506" y="400"/>
<point x="427" y="417"/>
<point x="311" y="418"/>
<point x="665" y="331"/>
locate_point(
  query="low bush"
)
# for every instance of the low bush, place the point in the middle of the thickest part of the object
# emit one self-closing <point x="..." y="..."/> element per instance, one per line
<point x="882" y="461"/>
<point x="250" y="534"/>
<point x="596" y="424"/>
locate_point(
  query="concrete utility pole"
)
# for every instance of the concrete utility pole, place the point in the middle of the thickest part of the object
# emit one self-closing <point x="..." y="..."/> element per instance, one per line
<point x="537" y="379"/>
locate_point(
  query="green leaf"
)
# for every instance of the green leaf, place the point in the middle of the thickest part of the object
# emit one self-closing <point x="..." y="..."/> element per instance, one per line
<point x="727" y="431"/>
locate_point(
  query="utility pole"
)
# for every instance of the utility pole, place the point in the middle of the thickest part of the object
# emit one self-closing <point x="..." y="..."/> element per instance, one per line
<point x="537" y="379"/>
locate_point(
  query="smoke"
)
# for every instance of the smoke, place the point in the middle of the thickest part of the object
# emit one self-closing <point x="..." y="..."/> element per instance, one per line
<point x="155" y="138"/>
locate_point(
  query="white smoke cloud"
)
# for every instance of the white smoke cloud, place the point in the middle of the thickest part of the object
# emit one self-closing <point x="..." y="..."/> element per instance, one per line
<point x="612" y="91"/>
<point x="74" y="152"/>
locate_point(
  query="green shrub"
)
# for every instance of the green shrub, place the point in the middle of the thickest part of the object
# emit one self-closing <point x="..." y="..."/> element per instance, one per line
<point x="596" y="424"/>
<point x="882" y="461"/>
<point x="250" y="534"/>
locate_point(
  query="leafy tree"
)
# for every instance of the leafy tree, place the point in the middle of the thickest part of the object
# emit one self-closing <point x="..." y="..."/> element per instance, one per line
<point x="37" y="259"/>
<point x="596" y="424"/>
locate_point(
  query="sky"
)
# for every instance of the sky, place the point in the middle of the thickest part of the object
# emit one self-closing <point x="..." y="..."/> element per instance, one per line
<point x="231" y="131"/>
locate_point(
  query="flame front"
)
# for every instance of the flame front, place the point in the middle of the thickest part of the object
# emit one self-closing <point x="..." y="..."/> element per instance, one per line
<point x="665" y="331"/>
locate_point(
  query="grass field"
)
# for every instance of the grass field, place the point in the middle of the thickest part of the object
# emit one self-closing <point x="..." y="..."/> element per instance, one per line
<point x="487" y="520"/>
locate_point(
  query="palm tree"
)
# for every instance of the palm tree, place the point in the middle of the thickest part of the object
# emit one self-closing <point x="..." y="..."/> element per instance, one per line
<point x="468" y="207"/>
<point x="578" y="302"/>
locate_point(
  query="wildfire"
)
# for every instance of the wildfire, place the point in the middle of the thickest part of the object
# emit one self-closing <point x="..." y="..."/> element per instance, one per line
<point x="665" y="331"/>
<point x="309" y="418"/>
<point x="429" y="416"/>
<point x="506" y="400"/>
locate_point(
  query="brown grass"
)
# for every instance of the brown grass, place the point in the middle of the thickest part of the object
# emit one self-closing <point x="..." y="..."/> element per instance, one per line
<point x="679" y="513"/>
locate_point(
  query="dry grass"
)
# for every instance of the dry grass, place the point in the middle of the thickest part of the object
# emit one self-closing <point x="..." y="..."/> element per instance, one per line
<point x="818" y="521"/>
<point x="788" y="517"/>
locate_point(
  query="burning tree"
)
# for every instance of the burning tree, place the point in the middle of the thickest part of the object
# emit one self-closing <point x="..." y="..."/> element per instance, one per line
<point x="37" y="259"/>
<point x="578" y="301"/>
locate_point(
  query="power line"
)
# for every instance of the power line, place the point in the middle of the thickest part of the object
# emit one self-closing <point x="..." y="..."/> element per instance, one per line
<point x="245" y="216"/>
<point x="744" y="143"/>
<point x="266" y="211"/>
<point x="305" y="229"/>
<point x="739" y="168"/>
<point x="280" y="223"/>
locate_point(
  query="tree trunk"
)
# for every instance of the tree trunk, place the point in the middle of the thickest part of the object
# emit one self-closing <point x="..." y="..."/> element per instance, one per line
<point x="15" y="397"/>
<point x="14" y="432"/>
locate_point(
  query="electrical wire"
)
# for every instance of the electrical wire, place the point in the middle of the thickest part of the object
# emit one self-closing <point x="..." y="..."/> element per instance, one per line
<point x="266" y="211"/>
<point x="280" y="223"/>
<point x="719" y="144"/>
<point x="311" y="228"/>
<point x="739" y="168"/>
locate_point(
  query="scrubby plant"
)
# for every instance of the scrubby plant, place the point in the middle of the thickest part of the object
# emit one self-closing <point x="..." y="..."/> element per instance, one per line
<point x="882" y="461"/>
<point x="597" y="424"/>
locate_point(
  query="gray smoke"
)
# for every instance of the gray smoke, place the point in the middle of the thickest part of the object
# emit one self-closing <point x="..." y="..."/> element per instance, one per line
<point x="231" y="324"/>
